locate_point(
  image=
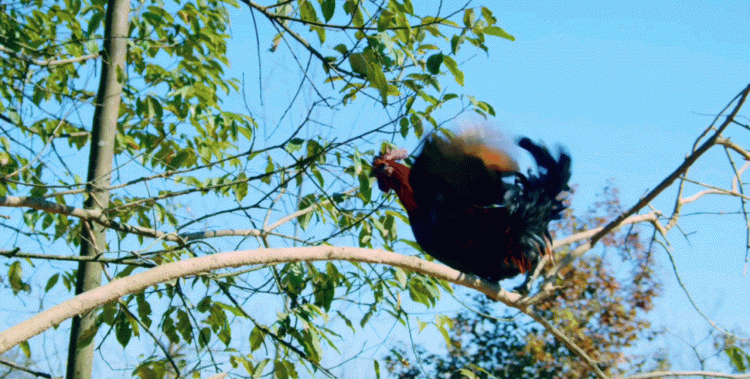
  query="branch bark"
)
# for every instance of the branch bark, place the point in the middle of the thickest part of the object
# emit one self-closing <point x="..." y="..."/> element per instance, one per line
<point x="104" y="129"/>
<point x="90" y="300"/>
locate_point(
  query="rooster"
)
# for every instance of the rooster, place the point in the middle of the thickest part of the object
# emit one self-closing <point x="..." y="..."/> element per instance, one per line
<point x="471" y="208"/>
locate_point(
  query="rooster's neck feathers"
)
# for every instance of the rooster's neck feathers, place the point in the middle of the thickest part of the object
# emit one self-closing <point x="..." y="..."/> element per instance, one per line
<point x="392" y="175"/>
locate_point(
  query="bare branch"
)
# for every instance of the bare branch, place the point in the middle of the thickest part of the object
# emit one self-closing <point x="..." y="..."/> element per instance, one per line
<point x="666" y="183"/>
<point x="74" y="258"/>
<point x="24" y="369"/>
<point x="679" y="171"/>
<point x="728" y="143"/>
<point x="712" y="190"/>
<point x="648" y="217"/>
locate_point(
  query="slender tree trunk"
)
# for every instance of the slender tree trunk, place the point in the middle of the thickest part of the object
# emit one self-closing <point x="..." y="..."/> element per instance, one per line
<point x="104" y="128"/>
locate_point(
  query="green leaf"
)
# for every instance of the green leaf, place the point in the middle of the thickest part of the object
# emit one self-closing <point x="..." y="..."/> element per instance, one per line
<point x="307" y="11"/>
<point x="449" y="96"/>
<point x="51" y="282"/>
<point x="95" y="21"/>
<point x="441" y="322"/>
<point x="293" y="145"/>
<point x="498" y="32"/>
<point x="737" y="357"/>
<point x="240" y="189"/>
<point x="469" y="18"/>
<point x="26" y="348"/>
<point x="87" y="336"/>
<point x="453" y="67"/>
<point x="341" y="48"/>
<point x="204" y="337"/>
<point x="367" y="316"/>
<point x="324" y="293"/>
<point x="313" y="148"/>
<point x="358" y="63"/>
<point x="15" y="277"/>
<point x="279" y="370"/>
<point x="123" y="331"/>
<point x="468" y="374"/>
<point x="376" y="76"/>
<point x="456" y="42"/>
<point x="328" y="7"/>
<point x="434" y="62"/>
<point x="346" y="321"/>
<point x="365" y="189"/>
<point x="144" y="309"/>
<point x="487" y="14"/>
<point x="260" y="367"/>
<point x="404" y="123"/>
<point x="311" y="343"/>
<point x="376" y="367"/>
<point x="400" y="276"/>
<point x="384" y="21"/>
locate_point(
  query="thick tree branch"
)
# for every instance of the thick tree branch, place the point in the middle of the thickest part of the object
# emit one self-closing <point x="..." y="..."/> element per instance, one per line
<point x="648" y="217"/>
<point x="118" y="288"/>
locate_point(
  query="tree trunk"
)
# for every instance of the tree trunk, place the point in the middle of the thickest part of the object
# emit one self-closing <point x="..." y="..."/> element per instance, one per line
<point x="104" y="128"/>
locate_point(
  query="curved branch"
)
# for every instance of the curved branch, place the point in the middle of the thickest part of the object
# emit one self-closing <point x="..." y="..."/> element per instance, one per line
<point x="436" y="21"/>
<point x="116" y="289"/>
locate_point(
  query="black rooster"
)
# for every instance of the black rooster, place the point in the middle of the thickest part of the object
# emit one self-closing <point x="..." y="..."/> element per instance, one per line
<point x="471" y="208"/>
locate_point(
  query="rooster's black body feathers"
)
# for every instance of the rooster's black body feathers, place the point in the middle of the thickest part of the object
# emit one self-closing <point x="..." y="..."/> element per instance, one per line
<point x="470" y="207"/>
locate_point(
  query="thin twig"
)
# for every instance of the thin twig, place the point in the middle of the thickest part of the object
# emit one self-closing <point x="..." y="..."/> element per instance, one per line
<point x="24" y="369"/>
<point x="75" y="258"/>
<point x="49" y="62"/>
